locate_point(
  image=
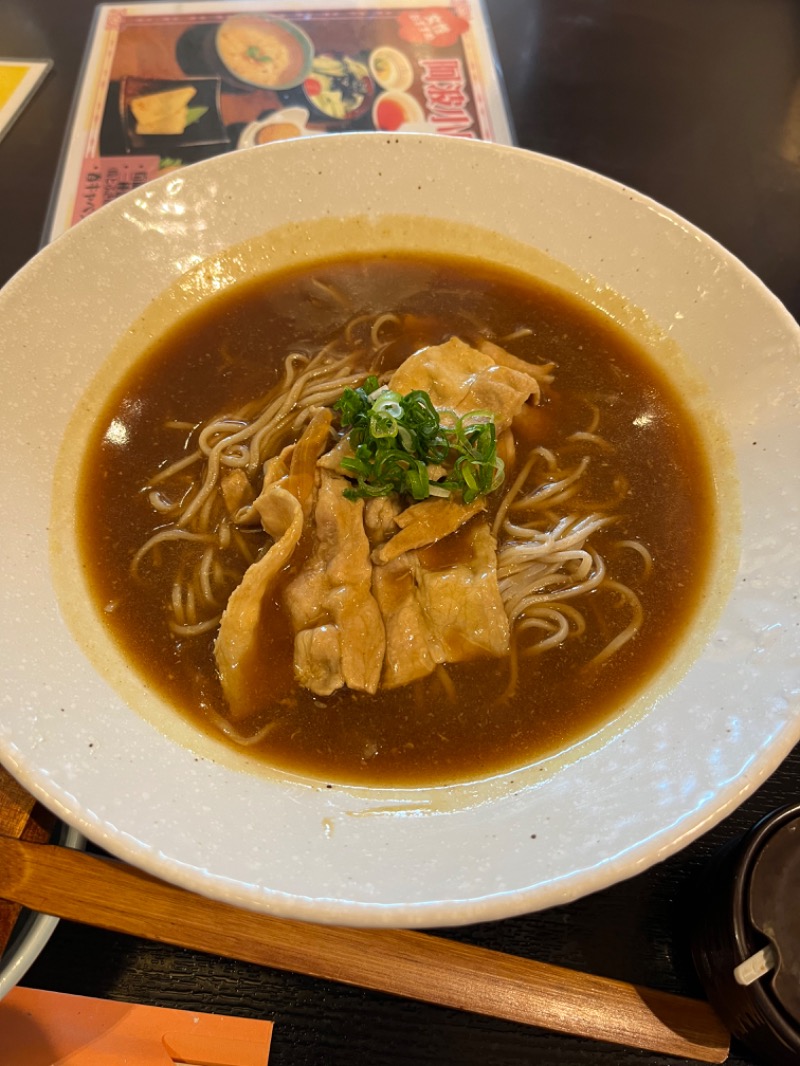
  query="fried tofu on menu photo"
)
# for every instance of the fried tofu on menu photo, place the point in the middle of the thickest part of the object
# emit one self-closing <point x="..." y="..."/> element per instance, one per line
<point x="162" y="113"/>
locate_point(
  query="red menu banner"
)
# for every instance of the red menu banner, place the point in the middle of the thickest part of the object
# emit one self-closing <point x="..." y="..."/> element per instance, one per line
<point x="167" y="84"/>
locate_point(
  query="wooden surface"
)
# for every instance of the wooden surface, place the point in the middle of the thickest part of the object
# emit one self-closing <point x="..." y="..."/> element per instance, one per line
<point x="689" y="101"/>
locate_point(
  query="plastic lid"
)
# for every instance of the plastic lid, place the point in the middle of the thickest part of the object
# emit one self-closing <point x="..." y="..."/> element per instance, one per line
<point x="774" y="906"/>
<point x="746" y="940"/>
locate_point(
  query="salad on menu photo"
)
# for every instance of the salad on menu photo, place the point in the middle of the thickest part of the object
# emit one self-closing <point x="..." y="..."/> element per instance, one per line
<point x="167" y="84"/>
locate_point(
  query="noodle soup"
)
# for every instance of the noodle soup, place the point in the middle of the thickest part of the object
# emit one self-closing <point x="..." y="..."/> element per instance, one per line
<point x="263" y="52"/>
<point x="547" y="602"/>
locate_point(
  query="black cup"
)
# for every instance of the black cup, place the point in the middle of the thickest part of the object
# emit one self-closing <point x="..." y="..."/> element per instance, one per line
<point x="748" y="902"/>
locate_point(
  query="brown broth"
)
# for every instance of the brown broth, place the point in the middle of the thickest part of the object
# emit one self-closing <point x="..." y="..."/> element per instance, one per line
<point x="230" y="351"/>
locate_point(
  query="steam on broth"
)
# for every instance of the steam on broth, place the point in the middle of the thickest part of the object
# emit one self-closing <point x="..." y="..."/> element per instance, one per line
<point x="255" y="580"/>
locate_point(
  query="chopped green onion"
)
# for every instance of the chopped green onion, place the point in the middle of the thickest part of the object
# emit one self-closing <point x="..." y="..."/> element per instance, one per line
<point x="394" y="439"/>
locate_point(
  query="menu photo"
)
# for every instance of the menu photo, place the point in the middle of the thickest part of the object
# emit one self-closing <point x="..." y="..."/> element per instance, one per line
<point x="167" y="84"/>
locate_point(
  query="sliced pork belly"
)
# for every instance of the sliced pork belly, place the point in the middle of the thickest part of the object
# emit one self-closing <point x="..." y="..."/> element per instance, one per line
<point x="333" y="588"/>
<point x="427" y="522"/>
<point x="237" y="646"/>
<point x="306" y="453"/>
<point x="543" y="372"/>
<point x="441" y="605"/>
<point x="408" y="654"/>
<point x="460" y="378"/>
<point x="332" y="460"/>
<point x="380" y="513"/>
<point x="283" y="504"/>
<point x="461" y="602"/>
<point x="318" y="659"/>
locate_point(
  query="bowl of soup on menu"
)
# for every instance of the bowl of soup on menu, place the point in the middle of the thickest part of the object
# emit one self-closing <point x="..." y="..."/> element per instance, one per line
<point x="264" y="53"/>
<point x="392" y="521"/>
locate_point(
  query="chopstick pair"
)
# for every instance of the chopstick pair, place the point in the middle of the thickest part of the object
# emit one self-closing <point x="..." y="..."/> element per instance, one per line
<point x="109" y="894"/>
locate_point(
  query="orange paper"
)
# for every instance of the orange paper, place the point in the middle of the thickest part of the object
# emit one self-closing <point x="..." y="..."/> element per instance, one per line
<point x="54" y="1029"/>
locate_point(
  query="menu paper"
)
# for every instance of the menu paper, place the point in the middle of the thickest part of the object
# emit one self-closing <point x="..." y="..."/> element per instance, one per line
<point x="19" y="79"/>
<point x="168" y="84"/>
<point x="40" y="1028"/>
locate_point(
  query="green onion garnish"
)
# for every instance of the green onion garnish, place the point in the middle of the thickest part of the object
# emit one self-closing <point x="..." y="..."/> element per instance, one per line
<point x="396" y="438"/>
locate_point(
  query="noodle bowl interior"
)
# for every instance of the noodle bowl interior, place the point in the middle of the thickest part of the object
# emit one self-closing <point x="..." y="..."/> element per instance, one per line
<point x="523" y="584"/>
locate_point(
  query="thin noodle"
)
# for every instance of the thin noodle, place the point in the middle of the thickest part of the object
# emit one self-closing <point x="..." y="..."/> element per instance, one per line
<point x="173" y="468"/>
<point x="204" y="518"/>
<point x="243" y="547"/>
<point x="637" y="546"/>
<point x="595" y="419"/>
<point x="378" y="325"/>
<point x="195" y="630"/>
<point x="513" y="671"/>
<point x="205" y="575"/>
<point x="518" y="334"/>
<point x="585" y="437"/>
<point x="233" y="733"/>
<point x="550" y="620"/>
<point x="159" y="502"/>
<point x="190" y="607"/>
<point x="330" y="291"/>
<point x="446" y="682"/>
<point x="519" y="481"/>
<point x="177" y="602"/>
<point x="162" y="537"/>
<point x="630" y="630"/>
<point x="552" y="490"/>
<point x="352" y="325"/>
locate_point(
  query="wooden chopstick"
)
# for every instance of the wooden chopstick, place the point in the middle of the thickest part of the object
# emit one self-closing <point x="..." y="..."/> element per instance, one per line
<point x="112" y="895"/>
<point x="21" y="817"/>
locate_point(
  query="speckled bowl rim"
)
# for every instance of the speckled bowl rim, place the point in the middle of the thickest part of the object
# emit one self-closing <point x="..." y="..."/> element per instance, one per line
<point x="345" y="855"/>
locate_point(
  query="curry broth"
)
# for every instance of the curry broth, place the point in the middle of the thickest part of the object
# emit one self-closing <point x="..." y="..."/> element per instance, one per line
<point x="230" y="351"/>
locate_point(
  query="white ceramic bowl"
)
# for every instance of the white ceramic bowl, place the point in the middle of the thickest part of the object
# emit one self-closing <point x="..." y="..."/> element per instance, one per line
<point x="79" y="730"/>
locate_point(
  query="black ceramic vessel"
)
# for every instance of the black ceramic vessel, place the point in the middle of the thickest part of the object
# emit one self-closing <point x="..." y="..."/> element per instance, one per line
<point x="748" y="901"/>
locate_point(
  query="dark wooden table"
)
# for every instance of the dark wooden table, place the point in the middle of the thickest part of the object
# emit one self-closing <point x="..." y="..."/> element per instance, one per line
<point x="694" y="102"/>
